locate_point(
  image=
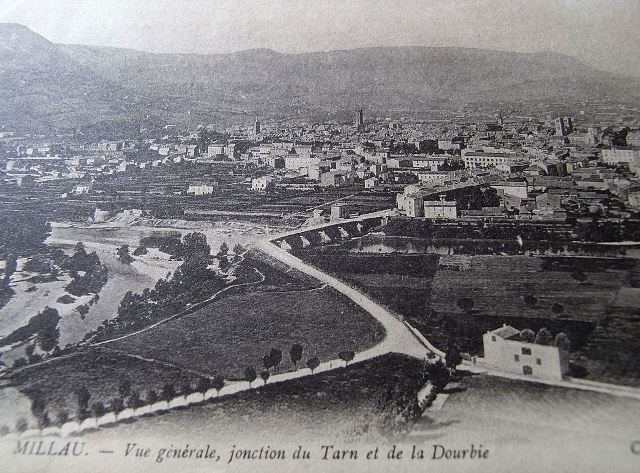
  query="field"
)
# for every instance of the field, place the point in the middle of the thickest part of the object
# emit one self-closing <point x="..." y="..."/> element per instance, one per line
<point x="223" y="337"/>
<point x="597" y="311"/>
<point x="526" y="424"/>
<point x="100" y="371"/>
<point x="238" y="330"/>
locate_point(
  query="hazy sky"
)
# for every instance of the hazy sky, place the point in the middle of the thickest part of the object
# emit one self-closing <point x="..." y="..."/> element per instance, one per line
<point x="603" y="33"/>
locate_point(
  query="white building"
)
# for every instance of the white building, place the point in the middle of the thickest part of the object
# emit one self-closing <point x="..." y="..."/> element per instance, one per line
<point x="215" y="150"/>
<point x="434" y="178"/>
<point x="371" y="183"/>
<point x="81" y="189"/>
<point x="411" y="201"/>
<point x="200" y="189"/>
<point x="512" y="188"/>
<point x="505" y="351"/>
<point x="339" y="210"/>
<point x="481" y="159"/>
<point x="633" y="138"/>
<point x="620" y="155"/>
<point x="261" y="183"/>
<point x="433" y="162"/>
<point x="441" y="208"/>
<point x="295" y="162"/>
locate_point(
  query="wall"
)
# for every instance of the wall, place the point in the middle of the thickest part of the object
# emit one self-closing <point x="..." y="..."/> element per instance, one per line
<point x="501" y="354"/>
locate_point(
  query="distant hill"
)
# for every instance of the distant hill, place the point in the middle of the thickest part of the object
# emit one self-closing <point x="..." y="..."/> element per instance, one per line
<point x="72" y="85"/>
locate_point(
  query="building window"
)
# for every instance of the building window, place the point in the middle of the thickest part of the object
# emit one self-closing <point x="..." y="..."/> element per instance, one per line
<point x="527" y="370"/>
<point x="516" y="358"/>
<point x="493" y="338"/>
<point x="526" y="351"/>
<point x="538" y="361"/>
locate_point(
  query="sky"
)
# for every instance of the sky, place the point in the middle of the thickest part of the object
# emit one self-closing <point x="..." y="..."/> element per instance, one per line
<point x="603" y="33"/>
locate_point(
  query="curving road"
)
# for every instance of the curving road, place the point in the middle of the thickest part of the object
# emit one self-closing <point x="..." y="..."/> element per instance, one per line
<point x="398" y="337"/>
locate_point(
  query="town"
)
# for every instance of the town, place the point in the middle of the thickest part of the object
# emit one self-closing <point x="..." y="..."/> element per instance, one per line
<point x="341" y="253"/>
<point x="541" y="169"/>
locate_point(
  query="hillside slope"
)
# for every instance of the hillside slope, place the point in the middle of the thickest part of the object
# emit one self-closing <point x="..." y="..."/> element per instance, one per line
<point x="43" y="82"/>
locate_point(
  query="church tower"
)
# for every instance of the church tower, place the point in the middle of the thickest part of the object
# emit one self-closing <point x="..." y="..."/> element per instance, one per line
<point x="359" y="121"/>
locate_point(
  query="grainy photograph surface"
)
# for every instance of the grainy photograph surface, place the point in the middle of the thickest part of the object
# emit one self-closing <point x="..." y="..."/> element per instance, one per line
<point x="324" y="235"/>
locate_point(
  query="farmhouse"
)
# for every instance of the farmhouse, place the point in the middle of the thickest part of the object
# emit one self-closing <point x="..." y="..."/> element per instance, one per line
<point x="506" y="351"/>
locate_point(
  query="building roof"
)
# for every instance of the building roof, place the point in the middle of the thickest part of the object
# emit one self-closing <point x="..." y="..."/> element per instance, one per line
<point x="505" y="332"/>
<point x="440" y="203"/>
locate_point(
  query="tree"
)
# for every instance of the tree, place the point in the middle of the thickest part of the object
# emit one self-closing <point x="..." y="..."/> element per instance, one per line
<point x="124" y="388"/>
<point x="224" y="249"/>
<point x="83" y="396"/>
<point x="203" y="385"/>
<point x="123" y="254"/>
<point x="83" y="310"/>
<point x="22" y="233"/>
<point x="134" y="400"/>
<point x="45" y="324"/>
<point x="79" y="249"/>
<point x="195" y="245"/>
<point x="557" y="308"/>
<point x="527" y="335"/>
<point x="168" y="392"/>
<point x="250" y="374"/>
<point x="276" y="357"/>
<point x="39" y="411"/>
<point x="152" y="397"/>
<point x="346" y="356"/>
<point x="543" y="337"/>
<point x="141" y="250"/>
<point x="82" y="413"/>
<point x="98" y="409"/>
<point x="579" y="276"/>
<point x="295" y="354"/>
<point x="563" y="342"/>
<point x="267" y="361"/>
<point x="62" y="417"/>
<point x="186" y="388"/>
<point x="265" y="376"/>
<point x="35" y="358"/>
<point x="117" y="406"/>
<point x="465" y="304"/>
<point x="453" y="357"/>
<point x="217" y="383"/>
<point x="238" y="249"/>
<point x="223" y="263"/>
<point x="313" y="363"/>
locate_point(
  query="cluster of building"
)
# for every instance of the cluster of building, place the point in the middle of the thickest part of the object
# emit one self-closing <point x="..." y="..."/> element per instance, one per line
<point x="538" y="167"/>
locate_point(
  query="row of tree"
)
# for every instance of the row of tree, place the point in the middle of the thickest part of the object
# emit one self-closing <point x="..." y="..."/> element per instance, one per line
<point x="127" y="397"/>
<point x="545" y="337"/>
<point x="273" y="359"/>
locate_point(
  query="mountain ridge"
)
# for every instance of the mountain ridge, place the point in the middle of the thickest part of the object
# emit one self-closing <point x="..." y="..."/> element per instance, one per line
<point x="54" y="84"/>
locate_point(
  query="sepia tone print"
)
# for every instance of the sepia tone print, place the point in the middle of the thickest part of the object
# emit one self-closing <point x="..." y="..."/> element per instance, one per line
<point x="319" y="236"/>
